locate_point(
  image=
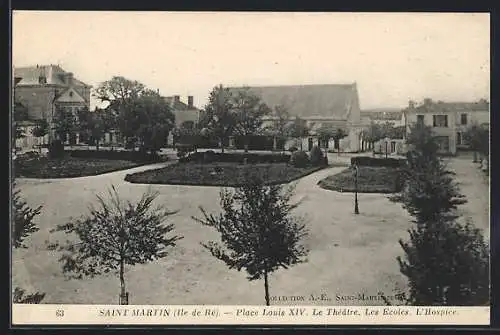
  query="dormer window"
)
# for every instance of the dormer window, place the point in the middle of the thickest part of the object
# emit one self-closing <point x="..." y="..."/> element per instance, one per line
<point x="42" y="80"/>
<point x="71" y="94"/>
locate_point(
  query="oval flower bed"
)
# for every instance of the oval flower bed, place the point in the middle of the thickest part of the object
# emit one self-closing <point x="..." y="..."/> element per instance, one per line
<point x="370" y="180"/>
<point x="220" y="174"/>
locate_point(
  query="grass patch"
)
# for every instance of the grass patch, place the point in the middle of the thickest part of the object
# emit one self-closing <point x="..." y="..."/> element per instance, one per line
<point x="68" y="167"/>
<point x="220" y="174"/>
<point x="370" y="180"/>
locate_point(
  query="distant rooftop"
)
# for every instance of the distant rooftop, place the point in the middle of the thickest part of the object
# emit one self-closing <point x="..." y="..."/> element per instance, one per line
<point x="331" y="101"/>
<point x="52" y="74"/>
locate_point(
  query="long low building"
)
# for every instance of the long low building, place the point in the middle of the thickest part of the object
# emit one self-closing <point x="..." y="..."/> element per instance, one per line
<point x="336" y="105"/>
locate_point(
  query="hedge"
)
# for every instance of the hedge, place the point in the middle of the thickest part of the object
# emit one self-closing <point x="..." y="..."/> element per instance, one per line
<point x="253" y="142"/>
<point x="379" y="162"/>
<point x="133" y="156"/>
<point x="251" y="158"/>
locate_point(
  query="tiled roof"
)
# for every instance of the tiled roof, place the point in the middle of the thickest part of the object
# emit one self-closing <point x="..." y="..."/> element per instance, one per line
<point x="382" y="114"/>
<point x="450" y="107"/>
<point x="308" y="101"/>
<point x="54" y="75"/>
<point x="467" y="106"/>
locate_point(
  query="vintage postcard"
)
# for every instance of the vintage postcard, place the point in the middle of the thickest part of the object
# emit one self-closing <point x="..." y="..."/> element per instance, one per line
<point x="250" y="168"/>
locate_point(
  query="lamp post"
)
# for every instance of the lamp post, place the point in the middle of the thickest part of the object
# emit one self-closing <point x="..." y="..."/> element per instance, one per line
<point x="355" y="175"/>
<point x="386" y="144"/>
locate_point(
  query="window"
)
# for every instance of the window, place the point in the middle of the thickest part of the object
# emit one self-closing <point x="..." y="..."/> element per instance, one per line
<point x="459" y="138"/>
<point x="420" y="119"/>
<point x="393" y="146"/>
<point x="71" y="93"/>
<point x="463" y="119"/>
<point x="440" y="120"/>
<point x="42" y="80"/>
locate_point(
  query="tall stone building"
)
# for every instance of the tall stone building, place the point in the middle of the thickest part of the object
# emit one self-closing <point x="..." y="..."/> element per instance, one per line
<point x="45" y="89"/>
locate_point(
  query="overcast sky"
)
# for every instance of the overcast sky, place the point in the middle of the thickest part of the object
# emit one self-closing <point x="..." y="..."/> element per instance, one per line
<point x="392" y="57"/>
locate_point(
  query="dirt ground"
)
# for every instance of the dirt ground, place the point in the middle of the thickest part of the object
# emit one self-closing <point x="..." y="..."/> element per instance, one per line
<point x="350" y="255"/>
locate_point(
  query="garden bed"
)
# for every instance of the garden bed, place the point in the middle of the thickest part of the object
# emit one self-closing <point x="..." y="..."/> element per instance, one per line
<point x="68" y="167"/>
<point x="370" y="180"/>
<point x="220" y="174"/>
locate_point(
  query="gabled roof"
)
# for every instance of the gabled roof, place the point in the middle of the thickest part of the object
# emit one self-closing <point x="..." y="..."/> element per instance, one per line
<point x="332" y="101"/>
<point x="54" y="75"/>
<point x="382" y="114"/>
<point x="70" y="95"/>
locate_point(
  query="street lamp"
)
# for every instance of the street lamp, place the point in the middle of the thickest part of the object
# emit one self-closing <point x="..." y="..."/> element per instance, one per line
<point x="387" y="139"/>
<point x="355" y="175"/>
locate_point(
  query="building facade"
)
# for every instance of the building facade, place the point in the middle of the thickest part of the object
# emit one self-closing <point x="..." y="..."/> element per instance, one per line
<point x="46" y="89"/>
<point x="382" y="116"/>
<point x="449" y="121"/>
<point x="186" y="114"/>
<point x="334" y="105"/>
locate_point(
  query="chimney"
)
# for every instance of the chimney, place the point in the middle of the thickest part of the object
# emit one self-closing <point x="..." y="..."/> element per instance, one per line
<point x="68" y="78"/>
<point x="190" y="101"/>
<point x="177" y="98"/>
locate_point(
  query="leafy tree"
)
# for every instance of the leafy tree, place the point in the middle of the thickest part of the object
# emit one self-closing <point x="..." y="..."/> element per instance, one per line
<point x="430" y="191"/>
<point x="298" y="128"/>
<point x="249" y="113"/>
<point x="122" y="93"/>
<point x="219" y="116"/>
<point x="20" y="297"/>
<point x="446" y="263"/>
<point x="484" y="148"/>
<point x="373" y="134"/>
<point x="280" y="126"/>
<point x="115" y="234"/>
<point x="154" y="121"/>
<point x="22" y="226"/>
<point x="328" y="131"/>
<point x="119" y="90"/>
<point x="475" y="136"/>
<point x="187" y="133"/>
<point x="65" y="123"/>
<point x="258" y="232"/>
<point x="41" y="129"/>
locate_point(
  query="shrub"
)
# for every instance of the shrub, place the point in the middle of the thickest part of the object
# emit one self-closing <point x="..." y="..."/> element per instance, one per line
<point x="316" y="156"/>
<point x="130" y="144"/>
<point x="293" y="149"/>
<point x="446" y="264"/>
<point x="299" y="159"/>
<point x="56" y="149"/>
<point x="251" y="158"/>
<point x="134" y="156"/>
<point x="379" y="162"/>
<point x="209" y="156"/>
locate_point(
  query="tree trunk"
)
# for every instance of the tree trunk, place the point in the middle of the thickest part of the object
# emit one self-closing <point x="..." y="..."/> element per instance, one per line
<point x="222" y="145"/>
<point x="475" y="156"/>
<point x="122" y="281"/>
<point x="97" y="145"/>
<point x="266" y="287"/>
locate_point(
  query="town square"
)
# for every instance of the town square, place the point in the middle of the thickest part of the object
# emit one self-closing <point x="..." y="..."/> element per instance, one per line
<point x="272" y="178"/>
